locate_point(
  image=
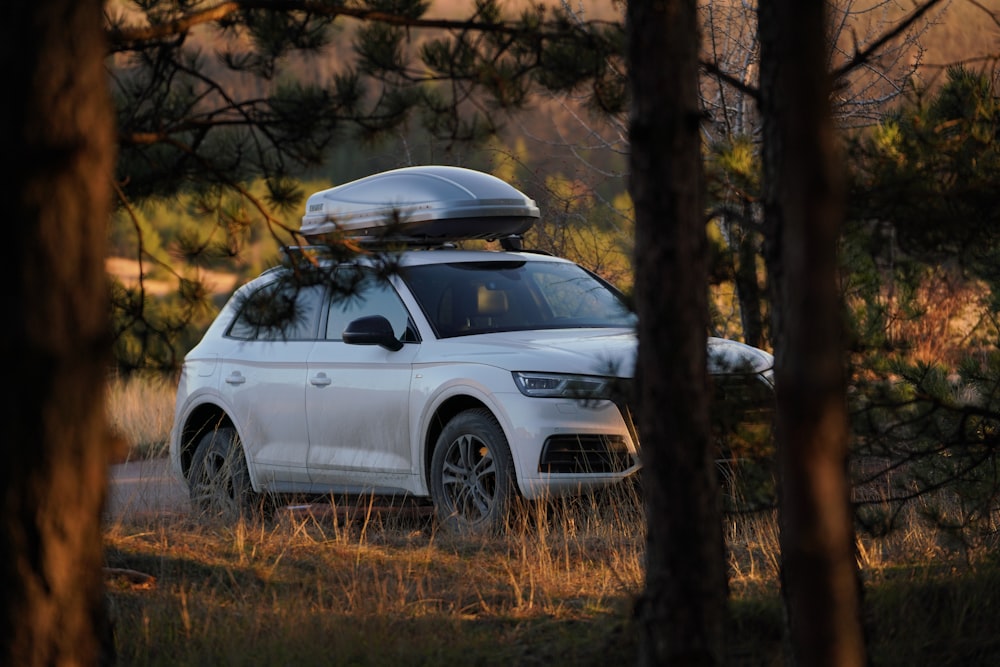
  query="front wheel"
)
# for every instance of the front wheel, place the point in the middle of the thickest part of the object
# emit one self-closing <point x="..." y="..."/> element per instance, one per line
<point x="219" y="482"/>
<point x="472" y="475"/>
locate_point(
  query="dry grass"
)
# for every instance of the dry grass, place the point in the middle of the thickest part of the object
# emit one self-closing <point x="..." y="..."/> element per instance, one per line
<point x="378" y="588"/>
<point x="367" y="585"/>
<point x="141" y="411"/>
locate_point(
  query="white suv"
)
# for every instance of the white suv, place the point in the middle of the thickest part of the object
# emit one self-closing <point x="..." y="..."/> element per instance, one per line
<point x="467" y="377"/>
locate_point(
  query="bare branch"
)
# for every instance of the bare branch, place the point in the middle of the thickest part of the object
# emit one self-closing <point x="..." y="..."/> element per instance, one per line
<point x="128" y="38"/>
<point x="711" y="67"/>
<point x="862" y="57"/>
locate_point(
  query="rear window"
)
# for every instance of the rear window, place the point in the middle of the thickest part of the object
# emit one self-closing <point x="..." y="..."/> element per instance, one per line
<point x="279" y="311"/>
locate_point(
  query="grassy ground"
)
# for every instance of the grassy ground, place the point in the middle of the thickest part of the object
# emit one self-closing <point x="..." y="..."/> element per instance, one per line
<point x="374" y="589"/>
<point x="370" y="586"/>
<point x="379" y="588"/>
<point x="141" y="411"/>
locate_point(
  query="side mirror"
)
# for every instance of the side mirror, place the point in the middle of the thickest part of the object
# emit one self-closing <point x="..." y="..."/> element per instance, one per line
<point x="372" y="330"/>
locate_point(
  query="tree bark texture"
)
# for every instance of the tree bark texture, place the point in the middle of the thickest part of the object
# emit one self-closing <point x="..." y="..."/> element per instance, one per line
<point x="748" y="289"/>
<point x="803" y="212"/>
<point x="58" y="149"/>
<point x="681" y="615"/>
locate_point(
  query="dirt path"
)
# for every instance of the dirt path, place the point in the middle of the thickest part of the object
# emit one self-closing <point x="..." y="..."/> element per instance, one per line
<point x="145" y="487"/>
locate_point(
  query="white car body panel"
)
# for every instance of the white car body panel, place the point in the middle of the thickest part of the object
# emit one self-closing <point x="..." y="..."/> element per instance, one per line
<point x="357" y="403"/>
<point x="267" y="399"/>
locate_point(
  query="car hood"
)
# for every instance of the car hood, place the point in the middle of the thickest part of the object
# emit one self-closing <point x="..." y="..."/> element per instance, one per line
<point x="588" y="351"/>
<point x="730" y="356"/>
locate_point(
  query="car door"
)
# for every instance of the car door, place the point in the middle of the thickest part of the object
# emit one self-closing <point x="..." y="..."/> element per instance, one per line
<point x="358" y="396"/>
<point x="264" y="378"/>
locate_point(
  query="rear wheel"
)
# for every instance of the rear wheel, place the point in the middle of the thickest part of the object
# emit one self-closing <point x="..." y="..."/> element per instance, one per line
<point x="472" y="475"/>
<point x="219" y="482"/>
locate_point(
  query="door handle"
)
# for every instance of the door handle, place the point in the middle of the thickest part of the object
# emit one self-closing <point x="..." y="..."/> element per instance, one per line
<point x="235" y="378"/>
<point x="320" y="380"/>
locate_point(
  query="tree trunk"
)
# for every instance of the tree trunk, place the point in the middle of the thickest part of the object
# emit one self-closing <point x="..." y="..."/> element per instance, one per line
<point x="58" y="146"/>
<point x="681" y="616"/>
<point x="803" y="211"/>
<point x="748" y="284"/>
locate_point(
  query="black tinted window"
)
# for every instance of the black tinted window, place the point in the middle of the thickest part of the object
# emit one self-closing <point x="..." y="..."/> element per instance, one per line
<point x="369" y="296"/>
<point x="279" y="311"/>
<point x="477" y="297"/>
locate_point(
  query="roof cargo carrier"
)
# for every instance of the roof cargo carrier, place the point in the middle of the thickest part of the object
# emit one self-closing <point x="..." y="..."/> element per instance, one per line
<point x="432" y="204"/>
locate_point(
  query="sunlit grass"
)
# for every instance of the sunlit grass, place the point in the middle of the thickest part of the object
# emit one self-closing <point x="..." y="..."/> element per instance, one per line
<point x="374" y="589"/>
<point x="359" y="584"/>
<point x="141" y="411"/>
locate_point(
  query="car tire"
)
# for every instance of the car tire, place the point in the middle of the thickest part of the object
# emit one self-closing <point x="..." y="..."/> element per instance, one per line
<point x="219" y="482"/>
<point x="472" y="475"/>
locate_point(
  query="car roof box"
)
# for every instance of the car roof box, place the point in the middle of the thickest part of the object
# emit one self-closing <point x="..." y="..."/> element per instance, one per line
<point x="429" y="203"/>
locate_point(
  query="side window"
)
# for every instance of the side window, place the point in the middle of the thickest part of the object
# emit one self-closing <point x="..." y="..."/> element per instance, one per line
<point x="371" y="297"/>
<point x="279" y="311"/>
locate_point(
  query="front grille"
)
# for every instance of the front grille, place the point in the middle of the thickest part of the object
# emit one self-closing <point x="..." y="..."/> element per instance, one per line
<point x="585" y="453"/>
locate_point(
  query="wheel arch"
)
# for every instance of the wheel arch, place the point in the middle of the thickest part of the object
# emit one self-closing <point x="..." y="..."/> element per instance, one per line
<point x="443" y="414"/>
<point x="202" y="419"/>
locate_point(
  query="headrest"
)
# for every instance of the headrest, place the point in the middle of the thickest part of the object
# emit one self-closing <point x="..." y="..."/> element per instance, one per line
<point x="491" y="301"/>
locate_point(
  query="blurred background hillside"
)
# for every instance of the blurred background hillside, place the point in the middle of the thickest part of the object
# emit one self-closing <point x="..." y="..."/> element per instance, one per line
<point x="571" y="161"/>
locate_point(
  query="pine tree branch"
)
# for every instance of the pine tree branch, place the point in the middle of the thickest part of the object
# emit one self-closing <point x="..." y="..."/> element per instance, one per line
<point x="122" y="38"/>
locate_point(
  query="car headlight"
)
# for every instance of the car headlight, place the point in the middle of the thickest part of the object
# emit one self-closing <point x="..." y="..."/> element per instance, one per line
<point x="561" y="385"/>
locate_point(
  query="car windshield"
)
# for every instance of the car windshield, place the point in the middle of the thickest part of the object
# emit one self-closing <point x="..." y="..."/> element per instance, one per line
<point x="463" y="298"/>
